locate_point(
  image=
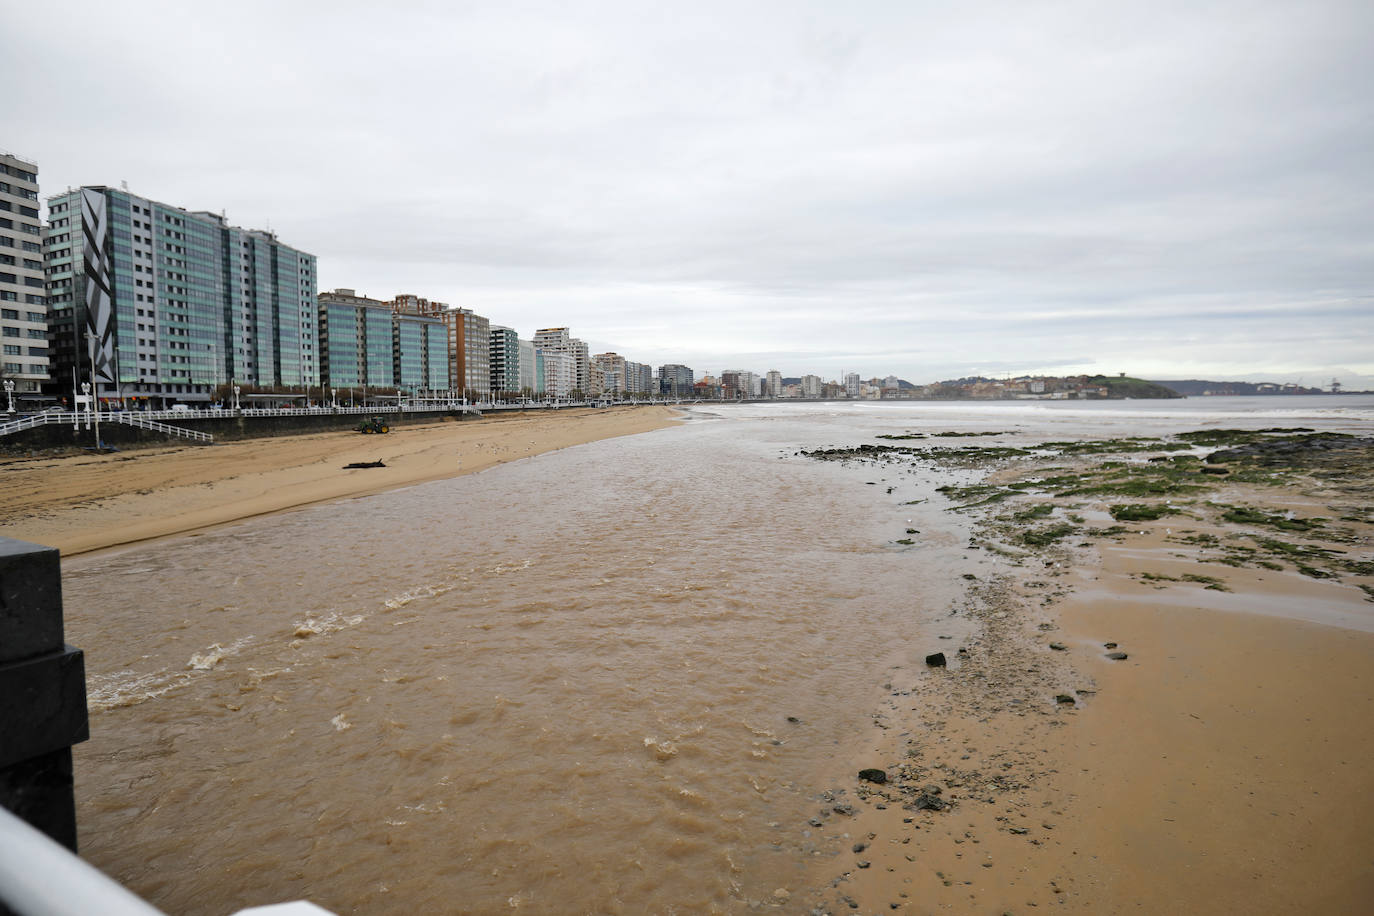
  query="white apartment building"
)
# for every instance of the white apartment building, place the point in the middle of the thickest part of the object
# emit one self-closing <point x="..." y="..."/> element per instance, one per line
<point x="23" y="305"/>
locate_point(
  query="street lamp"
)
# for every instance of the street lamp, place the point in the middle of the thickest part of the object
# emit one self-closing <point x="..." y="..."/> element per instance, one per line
<point x="236" y="399"/>
<point x="9" y="393"/>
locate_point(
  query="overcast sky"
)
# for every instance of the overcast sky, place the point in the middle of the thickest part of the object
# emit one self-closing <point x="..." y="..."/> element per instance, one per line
<point x="1167" y="189"/>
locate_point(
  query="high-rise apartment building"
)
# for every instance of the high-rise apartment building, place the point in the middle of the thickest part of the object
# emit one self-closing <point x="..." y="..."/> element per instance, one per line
<point x="558" y="340"/>
<point x="161" y="304"/>
<point x="560" y="372"/>
<point x="469" y="352"/>
<point x="851" y="384"/>
<point x="531" y="369"/>
<point x="419" y="344"/>
<point x="355" y="341"/>
<point x="774" y="386"/>
<point x="370" y="344"/>
<point x="612" y="366"/>
<point x="23" y="308"/>
<point x="675" y="380"/>
<point x="504" y="359"/>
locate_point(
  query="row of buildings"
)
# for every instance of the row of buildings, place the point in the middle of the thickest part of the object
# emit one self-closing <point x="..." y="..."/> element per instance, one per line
<point x="152" y="304"/>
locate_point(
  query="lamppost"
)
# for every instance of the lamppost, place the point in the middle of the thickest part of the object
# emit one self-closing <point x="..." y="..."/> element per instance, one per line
<point x="236" y="399"/>
<point x="9" y="393"/>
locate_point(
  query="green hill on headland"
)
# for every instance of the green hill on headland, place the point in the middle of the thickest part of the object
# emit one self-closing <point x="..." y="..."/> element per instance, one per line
<point x="1120" y="386"/>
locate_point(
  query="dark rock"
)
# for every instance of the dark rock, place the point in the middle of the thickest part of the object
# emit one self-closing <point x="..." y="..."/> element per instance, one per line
<point x="860" y="847"/>
<point x="863" y="863"/>
<point x="1109" y="645"/>
<point x="873" y="774"/>
<point x="793" y="719"/>
<point x="1215" y="470"/>
<point x="1058" y="646"/>
<point x="1118" y="656"/>
<point x="937" y="660"/>
<point x="1065" y="699"/>
<point x="364" y="464"/>
<point x="844" y="809"/>
<point x="816" y="822"/>
<point x="932" y="789"/>
<point x="925" y="802"/>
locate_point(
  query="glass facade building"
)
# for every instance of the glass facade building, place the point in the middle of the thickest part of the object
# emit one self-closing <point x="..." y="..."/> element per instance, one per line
<point x="163" y="304"/>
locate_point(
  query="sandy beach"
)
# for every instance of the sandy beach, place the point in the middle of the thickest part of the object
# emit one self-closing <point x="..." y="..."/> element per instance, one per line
<point x="1219" y="761"/>
<point x="84" y="503"/>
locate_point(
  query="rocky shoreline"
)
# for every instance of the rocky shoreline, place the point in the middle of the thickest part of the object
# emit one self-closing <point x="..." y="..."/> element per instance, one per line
<point x="961" y="797"/>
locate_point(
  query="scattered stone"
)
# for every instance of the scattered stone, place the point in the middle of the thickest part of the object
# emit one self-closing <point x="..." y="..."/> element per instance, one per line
<point x="1118" y="656"/>
<point x="925" y="802"/>
<point x="793" y="719"/>
<point x="1215" y="470"/>
<point x="1065" y="699"/>
<point x="936" y="660"/>
<point x="843" y="809"/>
<point x="1109" y="645"/>
<point x="971" y="577"/>
<point x="1020" y="831"/>
<point x="863" y="863"/>
<point x="872" y="774"/>
<point x="816" y="822"/>
<point x="860" y="847"/>
<point x="1058" y="646"/>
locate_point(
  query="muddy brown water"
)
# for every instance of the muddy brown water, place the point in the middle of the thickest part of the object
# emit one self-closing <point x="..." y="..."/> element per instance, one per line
<point x="611" y="679"/>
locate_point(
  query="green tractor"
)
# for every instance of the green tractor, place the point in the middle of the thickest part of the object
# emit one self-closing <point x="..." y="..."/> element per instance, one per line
<point x="374" y="425"/>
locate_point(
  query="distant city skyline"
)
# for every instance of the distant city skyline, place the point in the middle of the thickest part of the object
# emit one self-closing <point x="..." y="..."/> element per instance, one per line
<point x="883" y="189"/>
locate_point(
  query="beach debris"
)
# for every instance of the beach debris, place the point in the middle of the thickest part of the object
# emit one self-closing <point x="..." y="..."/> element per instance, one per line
<point x="1118" y="656"/>
<point x="1058" y="646"/>
<point x="1109" y="645"/>
<point x="873" y="774"/>
<point x="364" y="464"/>
<point x="1064" y="699"/>
<point x="794" y="720"/>
<point x="936" y="660"/>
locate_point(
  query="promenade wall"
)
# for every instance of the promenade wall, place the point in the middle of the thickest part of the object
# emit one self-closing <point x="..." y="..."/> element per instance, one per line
<point x="224" y="429"/>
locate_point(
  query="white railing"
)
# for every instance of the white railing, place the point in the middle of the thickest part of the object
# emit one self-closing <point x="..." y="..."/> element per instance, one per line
<point x="134" y="420"/>
<point x="39" y="877"/>
<point x="151" y="419"/>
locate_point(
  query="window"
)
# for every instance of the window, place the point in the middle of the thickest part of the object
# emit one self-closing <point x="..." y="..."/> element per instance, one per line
<point x="33" y="316"/>
<point x="11" y="314"/>
<point x="38" y="351"/>
<point x="13" y="350"/>
<point x="10" y="332"/>
<point x="14" y="367"/>
<point x="37" y="334"/>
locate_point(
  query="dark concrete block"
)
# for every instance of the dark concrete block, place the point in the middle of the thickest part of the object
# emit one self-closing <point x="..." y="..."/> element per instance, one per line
<point x="39" y="791"/>
<point x="42" y="705"/>
<point x="30" y="600"/>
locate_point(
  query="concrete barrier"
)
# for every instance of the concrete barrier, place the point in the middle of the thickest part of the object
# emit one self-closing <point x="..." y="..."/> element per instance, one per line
<point x="42" y="693"/>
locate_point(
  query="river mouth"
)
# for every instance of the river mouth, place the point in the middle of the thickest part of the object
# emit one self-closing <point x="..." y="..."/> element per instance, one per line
<point x="598" y="680"/>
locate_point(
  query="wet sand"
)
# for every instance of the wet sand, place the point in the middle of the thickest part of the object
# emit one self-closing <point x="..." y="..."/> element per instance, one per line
<point x="89" y="502"/>
<point x="1222" y="764"/>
